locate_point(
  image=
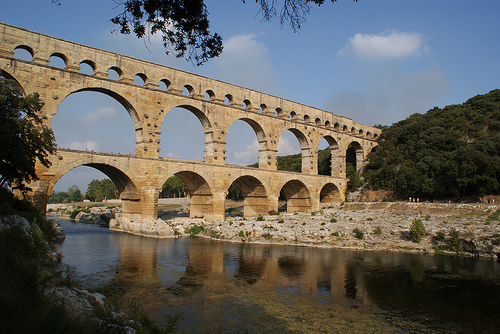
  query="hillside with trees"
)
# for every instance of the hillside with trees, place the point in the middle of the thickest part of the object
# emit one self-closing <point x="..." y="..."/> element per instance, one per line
<point x="447" y="153"/>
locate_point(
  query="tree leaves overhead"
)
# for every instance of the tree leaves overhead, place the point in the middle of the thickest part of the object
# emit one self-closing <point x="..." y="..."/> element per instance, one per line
<point x="184" y="24"/>
<point x="452" y="152"/>
<point x="25" y="141"/>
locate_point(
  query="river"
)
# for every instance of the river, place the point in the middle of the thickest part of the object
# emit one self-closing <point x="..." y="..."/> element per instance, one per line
<point x="217" y="287"/>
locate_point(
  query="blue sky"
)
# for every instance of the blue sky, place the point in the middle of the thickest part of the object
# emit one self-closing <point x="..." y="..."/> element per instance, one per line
<point x="376" y="62"/>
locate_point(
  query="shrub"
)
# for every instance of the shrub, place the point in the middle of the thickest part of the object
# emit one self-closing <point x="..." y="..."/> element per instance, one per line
<point x="439" y="236"/>
<point x="241" y="234"/>
<point x="378" y="230"/>
<point x="281" y="221"/>
<point x="260" y="218"/>
<point x="333" y="220"/>
<point x="195" y="230"/>
<point x="455" y="242"/>
<point x="358" y="233"/>
<point x="273" y="213"/>
<point x="323" y="223"/>
<point x="335" y="234"/>
<point x="417" y="230"/>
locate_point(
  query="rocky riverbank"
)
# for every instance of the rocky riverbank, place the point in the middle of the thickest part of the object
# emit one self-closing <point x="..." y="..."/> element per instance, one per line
<point x="465" y="229"/>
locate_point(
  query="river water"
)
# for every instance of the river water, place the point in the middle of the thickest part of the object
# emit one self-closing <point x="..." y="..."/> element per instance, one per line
<point x="218" y="287"/>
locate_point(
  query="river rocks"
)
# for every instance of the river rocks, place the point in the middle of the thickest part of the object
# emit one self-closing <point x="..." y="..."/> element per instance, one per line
<point x="147" y="227"/>
<point x="91" y="306"/>
<point x="57" y="231"/>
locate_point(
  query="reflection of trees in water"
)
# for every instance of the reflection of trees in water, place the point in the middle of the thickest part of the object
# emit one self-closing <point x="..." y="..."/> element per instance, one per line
<point x="251" y="268"/>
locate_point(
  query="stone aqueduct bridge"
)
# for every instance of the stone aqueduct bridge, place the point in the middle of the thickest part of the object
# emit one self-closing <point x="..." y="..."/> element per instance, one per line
<point x="216" y="104"/>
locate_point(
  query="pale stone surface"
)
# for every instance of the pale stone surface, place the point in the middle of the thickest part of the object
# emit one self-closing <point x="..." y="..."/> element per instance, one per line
<point x="141" y="176"/>
<point x="148" y="227"/>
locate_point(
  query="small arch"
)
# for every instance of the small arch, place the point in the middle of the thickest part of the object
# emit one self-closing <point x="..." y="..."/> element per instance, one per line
<point x="23" y="52"/>
<point x="57" y="60"/>
<point x="317" y="122"/>
<point x="114" y="73"/>
<point x="262" y="108"/>
<point x="298" y="198"/>
<point x="361" y="132"/>
<point x="368" y="134"/>
<point x="336" y="126"/>
<point x="353" y="130"/>
<point x="187" y="90"/>
<point x="278" y="112"/>
<point x="247" y="105"/>
<point x="209" y="95"/>
<point x="228" y="99"/>
<point x="140" y="79"/>
<point x="344" y="128"/>
<point x="163" y="85"/>
<point x="375" y="136"/>
<point x="330" y="193"/>
<point x="307" y="119"/>
<point x="293" y="116"/>
<point x="354" y="155"/>
<point x="328" y="125"/>
<point x="87" y="67"/>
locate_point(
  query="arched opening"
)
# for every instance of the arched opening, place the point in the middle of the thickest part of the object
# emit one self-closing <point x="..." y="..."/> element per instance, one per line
<point x="114" y="73"/>
<point x="354" y="155"/>
<point x="327" y="148"/>
<point x="91" y="178"/>
<point x="57" y="60"/>
<point x="183" y="134"/>
<point x="330" y="194"/>
<point x="317" y="122"/>
<point x="87" y="67"/>
<point x="247" y="105"/>
<point x="253" y="194"/>
<point x="307" y="119"/>
<point x="278" y="112"/>
<point x="293" y="151"/>
<point x="200" y="194"/>
<point x="163" y="85"/>
<point x="297" y="196"/>
<point x="246" y="143"/>
<point x="83" y="121"/>
<point x="228" y="99"/>
<point x="262" y="108"/>
<point x="293" y="116"/>
<point x="140" y="79"/>
<point x="187" y="90"/>
<point x="328" y="125"/>
<point x="23" y="52"/>
<point x="209" y="95"/>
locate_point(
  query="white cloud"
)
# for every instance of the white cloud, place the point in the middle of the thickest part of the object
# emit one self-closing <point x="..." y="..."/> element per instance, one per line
<point x="99" y="114"/>
<point x="285" y="147"/>
<point x="249" y="156"/>
<point x="88" y="145"/>
<point x="387" y="45"/>
<point x="246" y="61"/>
<point x="173" y="155"/>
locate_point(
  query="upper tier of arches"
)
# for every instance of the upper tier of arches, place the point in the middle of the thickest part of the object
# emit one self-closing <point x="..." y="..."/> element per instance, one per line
<point x="111" y="66"/>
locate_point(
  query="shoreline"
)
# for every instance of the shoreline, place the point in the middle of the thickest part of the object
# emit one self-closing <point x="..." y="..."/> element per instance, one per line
<point x="471" y="230"/>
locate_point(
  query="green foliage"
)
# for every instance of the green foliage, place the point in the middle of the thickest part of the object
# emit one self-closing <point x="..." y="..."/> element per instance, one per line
<point x="358" y="233"/>
<point x="98" y="190"/>
<point x="446" y="153"/>
<point x="417" y="230"/>
<point x="234" y="192"/>
<point x="493" y="217"/>
<point x="173" y="187"/>
<point x="260" y="218"/>
<point x="195" y="230"/>
<point x="25" y="140"/>
<point x="74" y="193"/>
<point x="378" y="230"/>
<point x="75" y="212"/>
<point x="455" y="241"/>
<point x="59" y="197"/>
<point x="333" y="220"/>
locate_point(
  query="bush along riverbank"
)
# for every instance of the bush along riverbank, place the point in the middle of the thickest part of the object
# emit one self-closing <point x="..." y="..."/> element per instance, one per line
<point x="39" y="295"/>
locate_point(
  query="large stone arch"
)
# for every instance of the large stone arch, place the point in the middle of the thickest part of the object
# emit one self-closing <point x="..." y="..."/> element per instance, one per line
<point x="8" y="76"/>
<point x="305" y="149"/>
<point x="298" y="196"/>
<point x="359" y="154"/>
<point x="261" y="139"/>
<point x="129" y="193"/>
<point x="200" y="193"/>
<point x="255" y="201"/>
<point x="330" y="193"/>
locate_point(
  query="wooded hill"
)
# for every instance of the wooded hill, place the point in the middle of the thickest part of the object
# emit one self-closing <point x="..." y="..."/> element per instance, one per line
<point x="453" y="152"/>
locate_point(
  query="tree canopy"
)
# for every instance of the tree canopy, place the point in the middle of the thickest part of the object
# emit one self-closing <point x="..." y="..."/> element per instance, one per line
<point x="184" y="25"/>
<point x="99" y="190"/>
<point x="25" y="140"/>
<point x="453" y="152"/>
